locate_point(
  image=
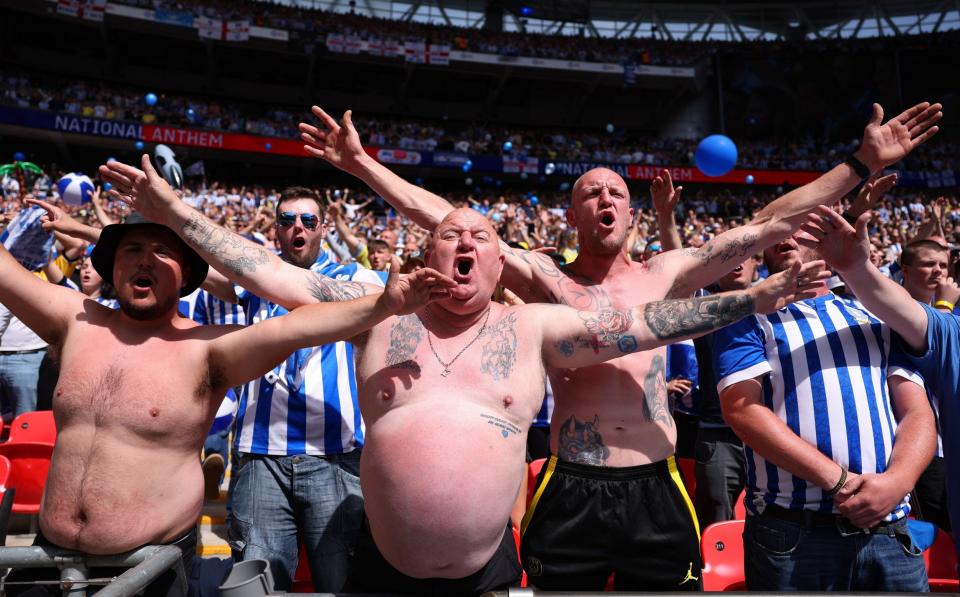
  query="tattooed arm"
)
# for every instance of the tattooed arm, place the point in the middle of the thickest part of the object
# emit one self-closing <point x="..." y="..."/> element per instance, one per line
<point x="244" y="262"/>
<point x="574" y="338"/>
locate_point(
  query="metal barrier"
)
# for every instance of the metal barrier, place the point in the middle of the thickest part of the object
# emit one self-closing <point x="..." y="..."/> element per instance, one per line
<point x="146" y="564"/>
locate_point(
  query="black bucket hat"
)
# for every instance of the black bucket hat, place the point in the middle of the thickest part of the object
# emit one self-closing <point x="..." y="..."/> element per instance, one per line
<point x="105" y="249"/>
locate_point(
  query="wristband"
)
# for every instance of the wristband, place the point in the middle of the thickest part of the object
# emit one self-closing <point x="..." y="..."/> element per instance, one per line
<point x="859" y="167"/>
<point x="836" y="488"/>
<point x="945" y="304"/>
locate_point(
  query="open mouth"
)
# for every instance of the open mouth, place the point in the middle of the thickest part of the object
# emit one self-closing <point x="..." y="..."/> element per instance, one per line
<point x="738" y="269"/>
<point x="607" y="219"/>
<point x="299" y="243"/>
<point x="464" y="266"/>
<point x="142" y="283"/>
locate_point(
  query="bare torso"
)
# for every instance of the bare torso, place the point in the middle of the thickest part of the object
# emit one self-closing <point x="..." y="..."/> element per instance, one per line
<point x="444" y="456"/>
<point x="131" y="417"/>
<point x="616" y="413"/>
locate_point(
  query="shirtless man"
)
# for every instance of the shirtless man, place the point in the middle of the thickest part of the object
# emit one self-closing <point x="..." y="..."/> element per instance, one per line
<point x="139" y="388"/>
<point x="612" y="431"/>
<point x="462" y="378"/>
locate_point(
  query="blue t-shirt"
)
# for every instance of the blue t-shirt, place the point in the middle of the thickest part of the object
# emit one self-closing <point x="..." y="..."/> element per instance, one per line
<point x="940" y="367"/>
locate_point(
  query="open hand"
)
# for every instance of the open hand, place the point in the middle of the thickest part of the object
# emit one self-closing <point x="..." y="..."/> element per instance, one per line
<point x="885" y="144"/>
<point x="338" y="145"/>
<point x="871" y="192"/>
<point x="664" y="196"/>
<point x="143" y="190"/>
<point x="56" y="219"/>
<point x="840" y="244"/>
<point x="799" y="282"/>
<point x="406" y="293"/>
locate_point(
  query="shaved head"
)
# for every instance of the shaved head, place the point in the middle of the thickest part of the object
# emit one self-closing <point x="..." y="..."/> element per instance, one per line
<point x="465" y="215"/>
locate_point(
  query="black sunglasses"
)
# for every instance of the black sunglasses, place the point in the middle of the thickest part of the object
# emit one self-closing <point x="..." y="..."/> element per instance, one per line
<point x="289" y="218"/>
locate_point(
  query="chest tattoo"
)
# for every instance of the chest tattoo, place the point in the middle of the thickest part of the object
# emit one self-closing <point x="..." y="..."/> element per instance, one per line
<point x="500" y="348"/>
<point x="405" y="337"/>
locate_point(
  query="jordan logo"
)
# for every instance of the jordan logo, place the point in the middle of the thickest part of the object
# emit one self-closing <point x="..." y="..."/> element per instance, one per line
<point x="689" y="575"/>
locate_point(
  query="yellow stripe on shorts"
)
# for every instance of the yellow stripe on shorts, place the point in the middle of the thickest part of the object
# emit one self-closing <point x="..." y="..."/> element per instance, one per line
<point x="678" y="481"/>
<point x="551" y="464"/>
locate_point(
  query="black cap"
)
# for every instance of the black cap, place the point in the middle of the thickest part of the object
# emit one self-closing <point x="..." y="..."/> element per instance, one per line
<point x="106" y="248"/>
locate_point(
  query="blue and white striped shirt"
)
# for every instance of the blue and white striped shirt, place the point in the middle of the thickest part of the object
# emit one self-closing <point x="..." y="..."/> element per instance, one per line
<point x="307" y="404"/>
<point x="825" y="364"/>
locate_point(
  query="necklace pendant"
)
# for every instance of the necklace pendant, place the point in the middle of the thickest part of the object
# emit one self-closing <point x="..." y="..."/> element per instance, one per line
<point x="445" y="372"/>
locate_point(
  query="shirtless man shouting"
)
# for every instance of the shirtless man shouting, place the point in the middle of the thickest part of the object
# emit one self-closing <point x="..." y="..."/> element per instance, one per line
<point x="612" y="432"/>
<point x="448" y="392"/>
<point x="139" y="388"/>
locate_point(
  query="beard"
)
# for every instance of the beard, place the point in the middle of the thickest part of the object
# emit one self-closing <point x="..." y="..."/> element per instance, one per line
<point x="149" y="312"/>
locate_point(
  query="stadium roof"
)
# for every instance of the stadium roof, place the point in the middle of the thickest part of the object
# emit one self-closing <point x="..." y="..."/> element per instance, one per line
<point x="739" y="20"/>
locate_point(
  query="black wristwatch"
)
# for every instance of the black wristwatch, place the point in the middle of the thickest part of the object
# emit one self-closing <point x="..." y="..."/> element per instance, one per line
<point x="859" y="167"/>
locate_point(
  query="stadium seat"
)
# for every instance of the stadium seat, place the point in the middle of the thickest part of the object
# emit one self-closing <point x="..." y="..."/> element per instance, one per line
<point x="5" y="468"/>
<point x="533" y="469"/>
<point x="36" y="427"/>
<point x="302" y="579"/>
<point x="941" y="560"/>
<point x="686" y="466"/>
<point x="739" y="507"/>
<point x="722" y="548"/>
<point x="29" y="464"/>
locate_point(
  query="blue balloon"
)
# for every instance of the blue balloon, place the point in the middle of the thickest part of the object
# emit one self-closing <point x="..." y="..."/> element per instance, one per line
<point x="111" y="159"/>
<point x="191" y="113"/>
<point x="139" y="145"/>
<point x="610" y="127"/>
<point x="716" y="155"/>
<point x="534" y="200"/>
<point x="19" y="156"/>
<point x="419" y="182"/>
<point x="507" y="145"/>
<point x="107" y="186"/>
<point x="467" y="165"/>
<point x="268" y="146"/>
<point x="523" y="175"/>
<point x="151" y="99"/>
<point x="749" y="179"/>
<point x="565" y="186"/>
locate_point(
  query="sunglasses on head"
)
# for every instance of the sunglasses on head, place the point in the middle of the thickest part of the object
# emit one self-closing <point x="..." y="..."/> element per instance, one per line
<point x="289" y="218"/>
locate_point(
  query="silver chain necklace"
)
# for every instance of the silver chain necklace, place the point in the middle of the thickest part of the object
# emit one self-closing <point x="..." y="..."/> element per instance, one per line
<point x="446" y="366"/>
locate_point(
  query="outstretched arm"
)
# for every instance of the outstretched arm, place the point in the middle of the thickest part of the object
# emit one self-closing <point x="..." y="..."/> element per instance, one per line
<point x="243" y="261"/>
<point x="59" y="221"/>
<point x="574" y="338"/>
<point x="245" y="353"/>
<point x="847" y="250"/>
<point x="530" y="275"/>
<point x="45" y="308"/>
<point x="882" y="145"/>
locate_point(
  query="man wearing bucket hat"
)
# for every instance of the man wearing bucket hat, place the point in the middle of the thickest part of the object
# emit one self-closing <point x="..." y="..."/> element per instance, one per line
<point x="139" y="388"/>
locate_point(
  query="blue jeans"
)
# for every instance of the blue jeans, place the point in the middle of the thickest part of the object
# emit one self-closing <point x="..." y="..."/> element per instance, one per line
<point x="780" y="555"/>
<point x="279" y="500"/>
<point x="19" y="374"/>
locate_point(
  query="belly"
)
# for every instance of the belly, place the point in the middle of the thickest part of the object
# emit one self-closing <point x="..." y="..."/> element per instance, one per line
<point x="438" y="485"/>
<point x="105" y="496"/>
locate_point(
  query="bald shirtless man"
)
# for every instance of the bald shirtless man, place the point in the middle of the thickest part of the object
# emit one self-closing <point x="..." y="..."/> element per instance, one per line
<point x="612" y="431"/>
<point x="139" y="388"/>
<point x="463" y="377"/>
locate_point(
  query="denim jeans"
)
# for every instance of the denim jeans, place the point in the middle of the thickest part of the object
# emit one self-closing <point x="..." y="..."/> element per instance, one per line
<point x="279" y="500"/>
<point x="720" y="472"/>
<point x="19" y="374"/>
<point x="788" y="556"/>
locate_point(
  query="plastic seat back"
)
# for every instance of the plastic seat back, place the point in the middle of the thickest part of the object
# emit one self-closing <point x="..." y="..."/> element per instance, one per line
<point x="941" y="560"/>
<point x="686" y="466"/>
<point x="36" y="427"/>
<point x="533" y="469"/>
<point x="29" y="465"/>
<point x="722" y="548"/>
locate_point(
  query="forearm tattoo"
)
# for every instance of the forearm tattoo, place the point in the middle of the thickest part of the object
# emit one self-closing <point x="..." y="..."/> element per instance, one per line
<point x="655" y="393"/>
<point x="328" y="290"/>
<point x="605" y="328"/>
<point x="736" y="248"/>
<point x="405" y="337"/>
<point x="238" y="256"/>
<point x="580" y="442"/>
<point x="687" y="317"/>
<point x="500" y="348"/>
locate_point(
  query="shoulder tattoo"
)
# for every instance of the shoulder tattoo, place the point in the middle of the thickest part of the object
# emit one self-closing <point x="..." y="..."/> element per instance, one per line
<point x="500" y="348"/>
<point x="405" y="336"/>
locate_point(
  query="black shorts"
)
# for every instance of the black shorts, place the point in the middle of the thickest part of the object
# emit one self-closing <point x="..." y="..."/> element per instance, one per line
<point x="370" y="572"/>
<point x="174" y="582"/>
<point x="587" y="522"/>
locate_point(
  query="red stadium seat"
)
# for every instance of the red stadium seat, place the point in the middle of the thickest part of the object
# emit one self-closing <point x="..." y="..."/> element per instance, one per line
<point x="739" y="508"/>
<point x="686" y="466"/>
<point x="302" y="579"/>
<point x="941" y="560"/>
<point x="29" y="465"/>
<point x="533" y="469"/>
<point x="5" y="468"/>
<point x="35" y="427"/>
<point x="722" y="548"/>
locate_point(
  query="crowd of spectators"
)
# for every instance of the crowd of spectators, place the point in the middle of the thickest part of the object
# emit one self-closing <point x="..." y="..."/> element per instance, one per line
<point x="100" y="100"/>
<point x="533" y="220"/>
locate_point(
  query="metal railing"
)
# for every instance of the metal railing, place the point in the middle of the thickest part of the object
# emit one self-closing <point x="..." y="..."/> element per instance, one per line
<point x="146" y="565"/>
